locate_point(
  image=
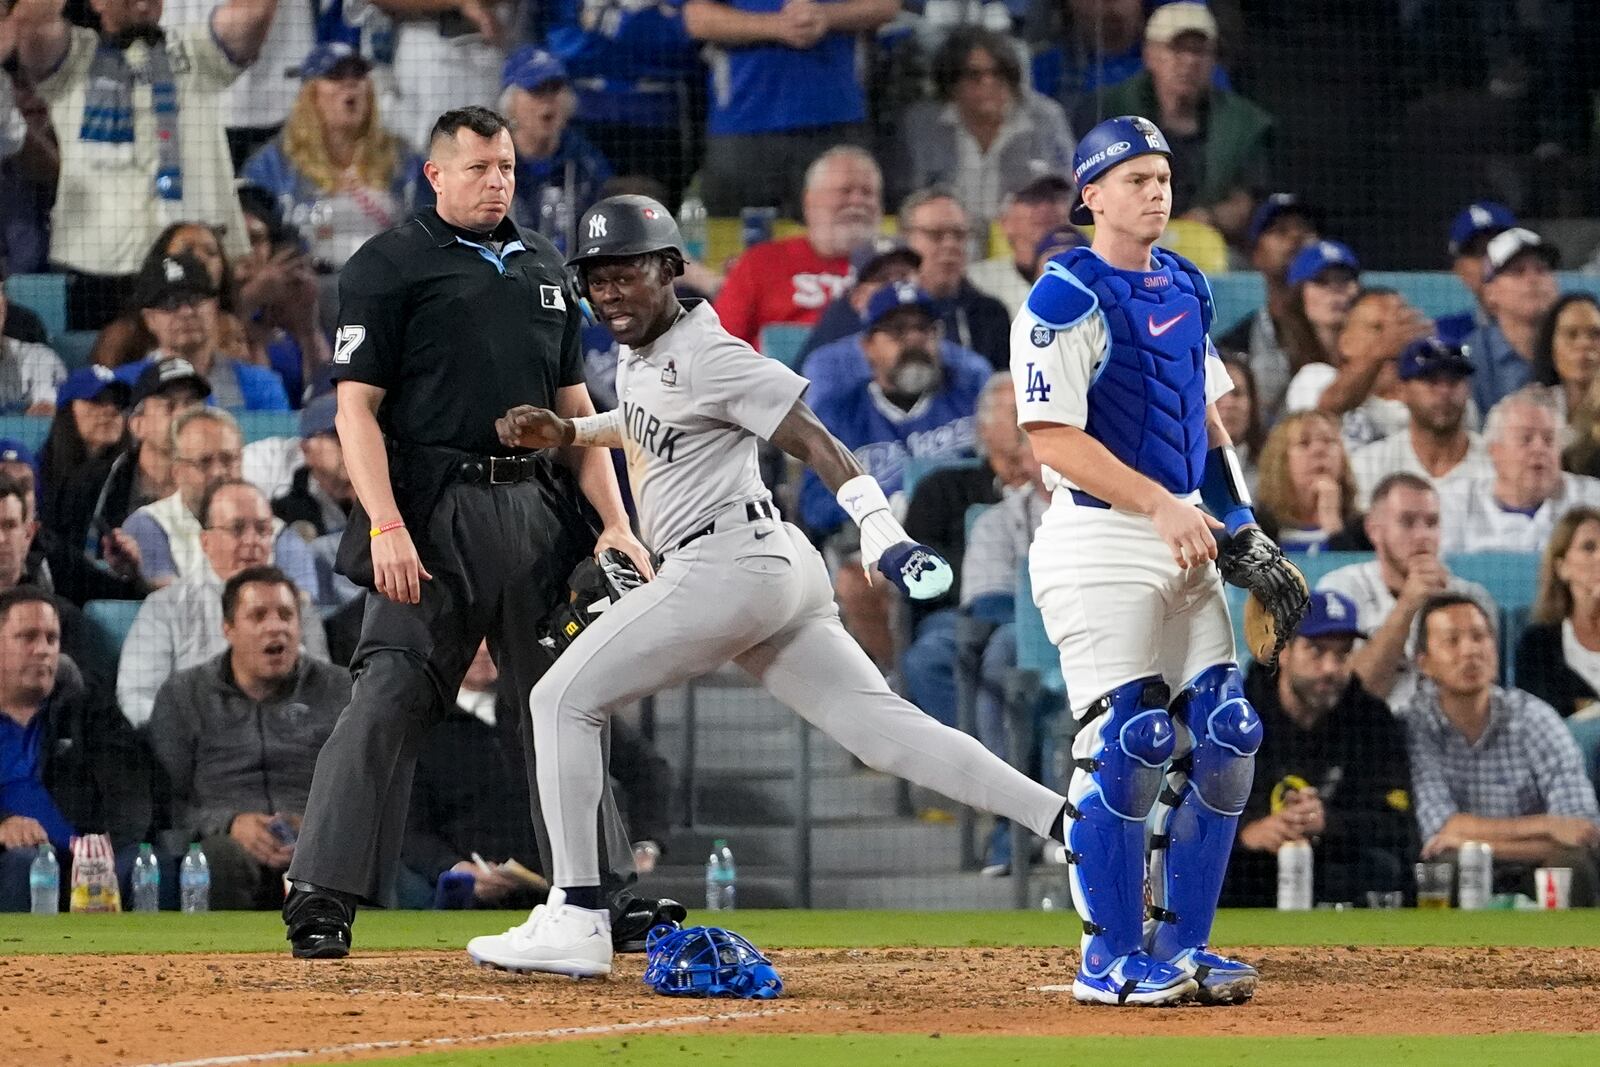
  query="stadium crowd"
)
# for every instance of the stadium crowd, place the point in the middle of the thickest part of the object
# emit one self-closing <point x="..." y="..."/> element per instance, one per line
<point x="181" y="182"/>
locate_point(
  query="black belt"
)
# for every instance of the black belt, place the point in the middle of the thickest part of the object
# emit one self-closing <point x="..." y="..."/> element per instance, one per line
<point x="1087" y="500"/>
<point x="754" y="511"/>
<point x="499" y="470"/>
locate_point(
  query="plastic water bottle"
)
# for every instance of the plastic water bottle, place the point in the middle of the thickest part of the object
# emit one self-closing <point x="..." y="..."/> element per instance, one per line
<point x="1295" y="891"/>
<point x="146" y="880"/>
<point x="721" y="878"/>
<point x="555" y="216"/>
<point x="194" y="881"/>
<point x="692" y="224"/>
<point x="44" y="882"/>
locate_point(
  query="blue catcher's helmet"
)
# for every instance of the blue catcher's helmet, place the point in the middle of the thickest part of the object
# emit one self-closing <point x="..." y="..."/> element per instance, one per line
<point x="708" y="961"/>
<point x="1109" y="143"/>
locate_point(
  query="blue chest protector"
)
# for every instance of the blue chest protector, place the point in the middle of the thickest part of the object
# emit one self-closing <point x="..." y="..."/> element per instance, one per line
<point x="1147" y="399"/>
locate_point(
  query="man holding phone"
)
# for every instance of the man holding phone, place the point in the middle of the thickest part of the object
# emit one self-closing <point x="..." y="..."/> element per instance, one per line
<point x="239" y="735"/>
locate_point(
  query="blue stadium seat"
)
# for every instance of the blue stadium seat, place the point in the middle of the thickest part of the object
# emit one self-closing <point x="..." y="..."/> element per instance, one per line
<point x="31" y="430"/>
<point x="1587" y="733"/>
<point x="919" y="467"/>
<point x="43" y="294"/>
<point x="782" y="341"/>
<point x="111" y="620"/>
<point x="74" y="346"/>
<point x="1034" y="649"/>
<point x="1434" y="292"/>
<point x="257" y="425"/>
<point x="1512" y="578"/>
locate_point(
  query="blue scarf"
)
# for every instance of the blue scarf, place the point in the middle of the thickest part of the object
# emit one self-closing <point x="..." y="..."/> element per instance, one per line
<point x="108" y="102"/>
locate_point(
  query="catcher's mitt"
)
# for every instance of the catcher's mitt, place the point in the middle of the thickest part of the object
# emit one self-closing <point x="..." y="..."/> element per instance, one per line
<point x="1278" y="591"/>
<point x="593" y="586"/>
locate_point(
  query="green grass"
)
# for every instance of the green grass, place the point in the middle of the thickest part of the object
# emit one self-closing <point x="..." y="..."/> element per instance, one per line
<point x="670" y="1050"/>
<point x="448" y="931"/>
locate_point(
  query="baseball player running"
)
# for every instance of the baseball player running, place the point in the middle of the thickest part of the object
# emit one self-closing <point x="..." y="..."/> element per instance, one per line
<point x="737" y="583"/>
<point x="1116" y="380"/>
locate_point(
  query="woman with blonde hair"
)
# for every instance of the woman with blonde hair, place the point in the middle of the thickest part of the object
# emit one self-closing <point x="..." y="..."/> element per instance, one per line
<point x="339" y="176"/>
<point x="1306" y="497"/>
<point x="1558" y="654"/>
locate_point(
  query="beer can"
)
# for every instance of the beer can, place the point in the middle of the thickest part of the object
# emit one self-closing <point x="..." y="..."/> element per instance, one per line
<point x="756" y="224"/>
<point x="1474" y="875"/>
<point x="1294" y="876"/>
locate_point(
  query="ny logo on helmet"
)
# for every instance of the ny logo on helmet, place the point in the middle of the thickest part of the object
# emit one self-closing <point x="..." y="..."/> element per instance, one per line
<point x="597" y="226"/>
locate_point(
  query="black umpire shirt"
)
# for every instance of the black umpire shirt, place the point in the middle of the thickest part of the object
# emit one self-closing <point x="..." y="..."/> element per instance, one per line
<point x="455" y="331"/>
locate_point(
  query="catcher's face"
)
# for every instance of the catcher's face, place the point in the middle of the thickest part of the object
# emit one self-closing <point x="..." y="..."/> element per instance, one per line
<point x="1133" y="198"/>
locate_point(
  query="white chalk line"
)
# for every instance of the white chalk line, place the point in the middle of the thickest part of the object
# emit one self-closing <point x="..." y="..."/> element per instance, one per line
<point x="600" y="1030"/>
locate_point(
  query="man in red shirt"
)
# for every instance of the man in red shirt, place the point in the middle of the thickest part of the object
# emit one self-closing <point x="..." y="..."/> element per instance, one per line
<point x="793" y="279"/>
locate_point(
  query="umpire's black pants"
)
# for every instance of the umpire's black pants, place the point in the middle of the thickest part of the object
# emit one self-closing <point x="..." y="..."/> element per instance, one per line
<point x="500" y="558"/>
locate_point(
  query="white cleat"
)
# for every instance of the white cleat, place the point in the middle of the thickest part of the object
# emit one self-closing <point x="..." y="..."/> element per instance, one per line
<point x="558" y="938"/>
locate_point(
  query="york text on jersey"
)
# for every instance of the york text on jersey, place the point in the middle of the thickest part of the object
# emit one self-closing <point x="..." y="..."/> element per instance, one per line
<point x="650" y="433"/>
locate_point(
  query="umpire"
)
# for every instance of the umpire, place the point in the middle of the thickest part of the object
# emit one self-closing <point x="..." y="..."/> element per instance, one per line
<point x="443" y="322"/>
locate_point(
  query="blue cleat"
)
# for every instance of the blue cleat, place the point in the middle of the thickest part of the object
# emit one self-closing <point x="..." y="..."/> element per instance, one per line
<point x="1135" y="980"/>
<point x="1221" y="980"/>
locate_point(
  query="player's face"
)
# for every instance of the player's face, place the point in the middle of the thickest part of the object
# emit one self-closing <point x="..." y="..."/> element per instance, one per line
<point x="1527" y="461"/>
<point x="1133" y="199"/>
<point x="264" y="635"/>
<point x="631" y="296"/>
<point x="30" y="651"/>
<point x="1523" y="290"/>
<point x="1575" y="347"/>
<point x="473" y="178"/>
<point x="1318" y="670"/>
<point x="1406" y="527"/>
<point x="1437" y="404"/>
<point x="1579" y="567"/>
<point x="1460" y="655"/>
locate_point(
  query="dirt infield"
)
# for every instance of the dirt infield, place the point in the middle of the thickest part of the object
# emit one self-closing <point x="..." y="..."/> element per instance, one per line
<point x="114" y="1011"/>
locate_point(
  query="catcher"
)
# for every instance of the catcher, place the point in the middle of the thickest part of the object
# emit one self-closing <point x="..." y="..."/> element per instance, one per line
<point x="1116" y="383"/>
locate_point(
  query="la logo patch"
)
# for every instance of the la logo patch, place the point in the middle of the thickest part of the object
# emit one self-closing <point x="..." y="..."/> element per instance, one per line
<point x="1042" y="336"/>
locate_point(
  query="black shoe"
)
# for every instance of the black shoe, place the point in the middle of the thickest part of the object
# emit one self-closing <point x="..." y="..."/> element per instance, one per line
<point x="632" y="919"/>
<point x="319" y="922"/>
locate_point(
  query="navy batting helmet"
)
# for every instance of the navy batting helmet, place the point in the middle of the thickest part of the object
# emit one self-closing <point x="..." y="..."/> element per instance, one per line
<point x="1111" y="142"/>
<point x="626" y="226"/>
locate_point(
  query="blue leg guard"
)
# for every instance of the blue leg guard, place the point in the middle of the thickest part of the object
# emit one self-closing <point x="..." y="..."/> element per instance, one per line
<point x="1206" y="791"/>
<point x="1119" y="753"/>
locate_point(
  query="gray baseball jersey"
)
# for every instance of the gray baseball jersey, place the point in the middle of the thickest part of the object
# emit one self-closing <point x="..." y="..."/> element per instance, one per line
<point x="694" y="401"/>
<point x="748" y="590"/>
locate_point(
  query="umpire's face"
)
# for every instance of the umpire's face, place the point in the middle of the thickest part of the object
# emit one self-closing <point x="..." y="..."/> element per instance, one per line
<point x="473" y="178"/>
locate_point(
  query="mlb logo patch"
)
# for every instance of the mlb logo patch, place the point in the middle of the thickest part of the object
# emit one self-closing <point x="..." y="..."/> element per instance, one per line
<point x="550" y="297"/>
<point x="1042" y="336"/>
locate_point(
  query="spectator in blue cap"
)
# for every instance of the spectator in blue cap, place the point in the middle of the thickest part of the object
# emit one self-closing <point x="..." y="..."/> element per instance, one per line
<point x="89" y="422"/>
<point x="16" y="460"/>
<point x="1519" y="288"/>
<point x="1281" y="226"/>
<point x="1470" y="234"/>
<point x="1332" y="769"/>
<point x="537" y="98"/>
<point x="339" y="176"/>
<point x="914" y="404"/>
<point x="878" y="261"/>
<point x="1322" y="279"/>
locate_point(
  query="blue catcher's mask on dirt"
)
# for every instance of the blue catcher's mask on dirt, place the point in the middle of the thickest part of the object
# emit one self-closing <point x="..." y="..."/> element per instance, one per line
<point x="708" y="961"/>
